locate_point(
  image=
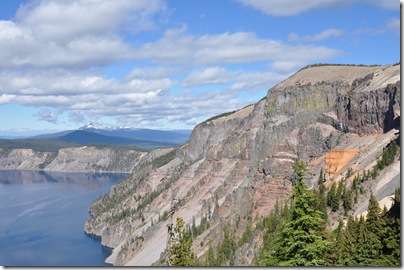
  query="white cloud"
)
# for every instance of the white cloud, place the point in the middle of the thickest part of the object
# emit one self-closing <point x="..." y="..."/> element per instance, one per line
<point x="212" y="75"/>
<point x="317" y="37"/>
<point x="48" y="115"/>
<point x="290" y="7"/>
<point x="77" y="117"/>
<point x="295" y="7"/>
<point x="153" y="72"/>
<point x="73" y="33"/>
<point x="394" y="25"/>
<point x="226" y="48"/>
<point x="390" y="25"/>
<point x="79" y="18"/>
<point x="51" y="53"/>
<point x="387" y="4"/>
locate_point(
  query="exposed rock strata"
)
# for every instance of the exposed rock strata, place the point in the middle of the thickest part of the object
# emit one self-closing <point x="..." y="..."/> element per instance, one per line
<point x="77" y="159"/>
<point x="239" y="165"/>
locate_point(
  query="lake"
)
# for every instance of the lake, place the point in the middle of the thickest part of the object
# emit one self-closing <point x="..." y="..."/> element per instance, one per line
<point x="42" y="217"/>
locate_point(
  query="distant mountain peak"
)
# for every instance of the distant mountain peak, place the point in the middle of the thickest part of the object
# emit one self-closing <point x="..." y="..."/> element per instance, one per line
<point x="88" y="126"/>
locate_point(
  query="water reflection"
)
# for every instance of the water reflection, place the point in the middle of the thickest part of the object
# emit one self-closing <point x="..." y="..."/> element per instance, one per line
<point x="89" y="181"/>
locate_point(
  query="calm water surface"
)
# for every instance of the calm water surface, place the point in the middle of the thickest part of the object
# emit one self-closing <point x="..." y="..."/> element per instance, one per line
<point x="42" y="217"/>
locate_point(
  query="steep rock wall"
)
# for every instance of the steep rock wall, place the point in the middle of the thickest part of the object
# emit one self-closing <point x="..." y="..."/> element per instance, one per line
<point x="239" y="165"/>
<point x="77" y="159"/>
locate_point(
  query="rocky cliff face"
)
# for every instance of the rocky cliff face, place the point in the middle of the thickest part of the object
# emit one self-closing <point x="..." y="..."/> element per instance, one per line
<point x="78" y="159"/>
<point x="236" y="167"/>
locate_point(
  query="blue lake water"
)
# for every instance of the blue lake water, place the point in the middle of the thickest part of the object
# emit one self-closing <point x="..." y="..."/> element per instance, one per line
<point x="42" y="216"/>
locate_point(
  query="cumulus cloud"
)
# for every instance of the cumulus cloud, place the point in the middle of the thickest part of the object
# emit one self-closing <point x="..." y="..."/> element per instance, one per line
<point x="47" y="115"/>
<point x="212" y="75"/>
<point x="393" y="24"/>
<point x="73" y="33"/>
<point x="387" y="4"/>
<point x="295" y="7"/>
<point x="226" y="48"/>
<point x="317" y="37"/>
<point x="51" y="53"/>
<point x="152" y="72"/>
<point x="390" y="25"/>
<point x="77" y="117"/>
<point x="290" y="7"/>
<point x="79" y="18"/>
<point x="144" y="94"/>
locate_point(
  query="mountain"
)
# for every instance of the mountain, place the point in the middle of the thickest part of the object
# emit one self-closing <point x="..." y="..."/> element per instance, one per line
<point x="173" y="136"/>
<point x="224" y="182"/>
<point x="88" y="137"/>
<point x="89" y="125"/>
<point x="144" y="138"/>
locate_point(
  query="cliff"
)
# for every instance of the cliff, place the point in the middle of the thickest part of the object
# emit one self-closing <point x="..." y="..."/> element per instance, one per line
<point x="234" y="168"/>
<point x="77" y="159"/>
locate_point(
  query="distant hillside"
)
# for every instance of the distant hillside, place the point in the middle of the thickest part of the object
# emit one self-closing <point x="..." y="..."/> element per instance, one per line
<point x="143" y="138"/>
<point x="173" y="136"/>
<point x="87" y="137"/>
<point x="39" y="145"/>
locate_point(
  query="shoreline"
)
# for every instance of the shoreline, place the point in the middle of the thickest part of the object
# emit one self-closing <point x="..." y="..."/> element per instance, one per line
<point x="106" y="250"/>
<point x="43" y="170"/>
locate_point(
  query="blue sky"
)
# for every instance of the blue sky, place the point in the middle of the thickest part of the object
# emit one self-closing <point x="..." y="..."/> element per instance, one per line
<point x="172" y="64"/>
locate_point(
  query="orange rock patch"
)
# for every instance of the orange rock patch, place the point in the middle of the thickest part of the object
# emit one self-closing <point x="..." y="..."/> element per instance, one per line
<point x="336" y="160"/>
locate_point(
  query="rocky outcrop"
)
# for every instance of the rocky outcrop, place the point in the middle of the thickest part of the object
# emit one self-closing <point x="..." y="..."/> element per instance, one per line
<point x="237" y="166"/>
<point x="77" y="159"/>
<point x="24" y="159"/>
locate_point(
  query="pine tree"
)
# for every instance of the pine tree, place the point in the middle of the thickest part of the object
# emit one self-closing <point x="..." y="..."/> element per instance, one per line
<point x="193" y="228"/>
<point x="346" y="199"/>
<point x="345" y="244"/>
<point x="322" y="201"/>
<point x="211" y="258"/>
<point x="365" y="249"/>
<point x="320" y="179"/>
<point x="300" y="242"/>
<point x="391" y="255"/>
<point x="332" y="198"/>
<point x="369" y="236"/>
<point x="227" y="248"/>
<point x="180" y="253"/>
<point x="374" y="223"/>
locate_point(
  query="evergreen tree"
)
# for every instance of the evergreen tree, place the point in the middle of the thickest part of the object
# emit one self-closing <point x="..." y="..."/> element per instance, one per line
<point x="341" y="185"/>
<point x="211" y="258"/>
<point x="346" y="199"/>
<point x="391" y="255"/>
<point x="322" y="201"/>
<point x="373" y="220"/>
<point x="365" y="251"/>
<point x="332" y="198"/>
<point x="369" y="243"/>
<point x="271" y="225"/>
<point x="345" y="244"/>
<point x="227" y="248"/>
<point x="193" y="228"/>
<point x="300" y="242"/>
<point x="180" y="253"/>
<point x="320" y="179"/>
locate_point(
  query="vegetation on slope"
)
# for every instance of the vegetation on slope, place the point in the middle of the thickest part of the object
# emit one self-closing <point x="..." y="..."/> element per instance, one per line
<point x="180" y="253"/>
<point x="36" y="145"/>
<point x="295" y="237"/>
<point x="345" y="65"/>
<point x="295" y="233"/>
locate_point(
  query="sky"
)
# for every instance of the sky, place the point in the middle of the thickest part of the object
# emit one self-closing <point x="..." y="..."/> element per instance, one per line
<point x="171" y="64"/>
